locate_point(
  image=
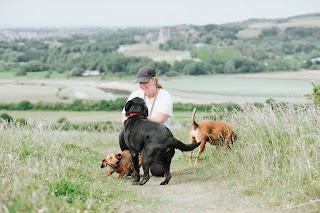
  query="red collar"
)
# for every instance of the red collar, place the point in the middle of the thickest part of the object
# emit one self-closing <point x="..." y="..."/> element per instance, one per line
<point x="131" y="114"/>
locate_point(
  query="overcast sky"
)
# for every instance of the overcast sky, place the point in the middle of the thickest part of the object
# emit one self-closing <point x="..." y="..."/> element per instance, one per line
<point x="146" y="12"/>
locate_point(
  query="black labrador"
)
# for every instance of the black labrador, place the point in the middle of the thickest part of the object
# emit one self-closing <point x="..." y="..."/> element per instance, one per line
<point x="154" y="141"/>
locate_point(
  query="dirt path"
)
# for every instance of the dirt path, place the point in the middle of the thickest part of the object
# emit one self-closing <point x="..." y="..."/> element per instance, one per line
<point x="198" y="197"/>
<point x="185" y="193"/>
<point x="194" y="197"/>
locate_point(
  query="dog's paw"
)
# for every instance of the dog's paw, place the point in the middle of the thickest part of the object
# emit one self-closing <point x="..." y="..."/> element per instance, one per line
<point x="135" y="183"/>
<point x="143" y="182"/>
<point x="164" y="183"/>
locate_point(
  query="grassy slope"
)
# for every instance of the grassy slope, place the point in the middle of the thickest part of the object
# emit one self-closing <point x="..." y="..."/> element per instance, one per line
<point x="255" y="28"/>
<point x="276" y="159"/>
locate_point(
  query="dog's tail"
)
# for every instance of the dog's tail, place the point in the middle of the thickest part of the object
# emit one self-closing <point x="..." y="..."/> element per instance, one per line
<point x="194" y="124"/>
<point x="174" y="143"/>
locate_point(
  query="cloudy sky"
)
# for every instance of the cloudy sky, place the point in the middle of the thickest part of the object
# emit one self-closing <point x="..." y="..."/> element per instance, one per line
<point x="146" y="12"/>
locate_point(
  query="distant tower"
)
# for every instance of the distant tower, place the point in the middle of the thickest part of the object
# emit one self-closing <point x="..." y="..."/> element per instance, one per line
<point x="164" y="35"/>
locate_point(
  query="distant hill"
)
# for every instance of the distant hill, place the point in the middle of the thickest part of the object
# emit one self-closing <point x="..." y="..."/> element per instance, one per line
<point x="306" y="20"/>
<point x="253" y="27"/>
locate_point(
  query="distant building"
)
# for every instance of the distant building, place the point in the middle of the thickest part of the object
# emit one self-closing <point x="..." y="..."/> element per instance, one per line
<point x="198" y="45"/>
<point x="91" y="73"/>
<point x="166" y="33"/>
<point x="315" y="60"/>
<point x="122" y="49"/>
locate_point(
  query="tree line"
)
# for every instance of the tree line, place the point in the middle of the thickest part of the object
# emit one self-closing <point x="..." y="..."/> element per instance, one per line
<point x="102" y="105"/>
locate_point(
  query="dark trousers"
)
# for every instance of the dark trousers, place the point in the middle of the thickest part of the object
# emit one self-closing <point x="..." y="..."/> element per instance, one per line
<point x="156" y="168"/>
<point x="122" y="143"/>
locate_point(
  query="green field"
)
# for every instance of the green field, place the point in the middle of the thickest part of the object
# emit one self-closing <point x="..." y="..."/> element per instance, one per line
<point x="34" y="75"/>
<point x="75" y="117"/>
<point x="273" y="167"/>
<point x="229" y="86"/>
<point x="152" y="51"/>
<point x="222" y="89"/>
<point x="82" y="117"/>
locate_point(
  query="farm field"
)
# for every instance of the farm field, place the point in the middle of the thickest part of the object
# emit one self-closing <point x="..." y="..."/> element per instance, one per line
<point x="83" y="117"/>
<point x="152" y="51"/>
<point x="222" y="89"/>
<point x="72" y="116"/>
<point x="287" y="87"/>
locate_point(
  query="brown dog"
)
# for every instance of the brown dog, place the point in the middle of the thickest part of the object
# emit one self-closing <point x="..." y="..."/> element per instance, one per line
<point x="214" y="132"/>
<point x="119" y="163"/>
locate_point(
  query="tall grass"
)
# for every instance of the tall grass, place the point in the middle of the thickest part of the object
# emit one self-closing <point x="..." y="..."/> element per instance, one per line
<point x="276" y="158"/>
<point x="45" y="170"/>
<point x="277" y="155"/>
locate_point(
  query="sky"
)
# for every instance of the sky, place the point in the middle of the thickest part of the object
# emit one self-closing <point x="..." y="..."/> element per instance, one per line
<point x="142" y="13"/>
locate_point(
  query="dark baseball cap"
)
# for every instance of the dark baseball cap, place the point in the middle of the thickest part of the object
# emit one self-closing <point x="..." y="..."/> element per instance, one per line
<point x="145" y="74"/>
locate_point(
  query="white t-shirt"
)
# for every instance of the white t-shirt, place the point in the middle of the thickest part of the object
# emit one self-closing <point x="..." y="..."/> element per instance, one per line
<point x="163" y="104"/>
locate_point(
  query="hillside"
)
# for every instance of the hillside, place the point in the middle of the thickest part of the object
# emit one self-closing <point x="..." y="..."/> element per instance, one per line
<point x="252" y="46"/>
<point x="254" y="27"/>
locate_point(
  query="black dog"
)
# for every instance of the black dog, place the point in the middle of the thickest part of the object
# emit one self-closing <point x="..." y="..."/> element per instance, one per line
<point x="154" y="141"/>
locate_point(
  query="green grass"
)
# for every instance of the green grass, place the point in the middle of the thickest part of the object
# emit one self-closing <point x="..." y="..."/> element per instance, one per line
<point x="5" y="74"/>
<point x="80" y="117"/>
<point x="34" y="75"/>
<point x="57" y="171"/>
<point x="153" y="51"/>
<point x="72" y="116"/>
<point x="179" y="117"/>
<point x="276" y="159"/>
<point x="276" y="156"/>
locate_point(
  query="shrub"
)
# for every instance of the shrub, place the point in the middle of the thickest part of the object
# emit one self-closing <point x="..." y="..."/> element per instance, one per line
<point x="315" y="96"/>
<point x="25" y="105"/>
<point x="62" y="120"/>
<point x="6" y="117"/>
<point x="21" y="121"/>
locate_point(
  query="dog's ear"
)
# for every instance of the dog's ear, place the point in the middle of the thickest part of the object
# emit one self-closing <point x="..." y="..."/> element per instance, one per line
<point x="119" y="156"/>
<point x="128" y="105"/>
<point x="142" y="103"/>
<point x="145" y="111"/>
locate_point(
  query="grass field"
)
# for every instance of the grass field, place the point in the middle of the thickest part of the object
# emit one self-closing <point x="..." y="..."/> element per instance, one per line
<point x="274" y="166"/>
<point x="81" y="117"/>
<point x="221" y="89"/>
<point x="241" y="86"/>
<point x="72" y="116"/>
<point x="34" y="75"/>
<point x="152" y="51"/>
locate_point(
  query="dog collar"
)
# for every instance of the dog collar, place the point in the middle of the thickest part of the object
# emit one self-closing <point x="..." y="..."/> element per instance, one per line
<point x="117" y="164"/>
<point x="131" y="114"/>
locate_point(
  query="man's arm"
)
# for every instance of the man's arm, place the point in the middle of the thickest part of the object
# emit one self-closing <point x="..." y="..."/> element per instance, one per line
<point x="159" y="118"/>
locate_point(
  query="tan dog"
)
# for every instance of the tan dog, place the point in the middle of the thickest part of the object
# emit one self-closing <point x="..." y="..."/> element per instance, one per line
<point x="119" y="163"/>
<point x="214" y="132"/>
